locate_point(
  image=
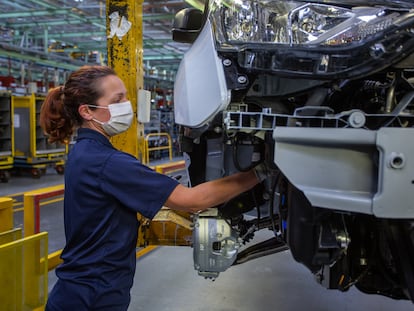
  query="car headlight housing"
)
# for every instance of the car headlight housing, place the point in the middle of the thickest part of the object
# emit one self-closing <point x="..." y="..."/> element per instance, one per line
<point x="309" y="38"/>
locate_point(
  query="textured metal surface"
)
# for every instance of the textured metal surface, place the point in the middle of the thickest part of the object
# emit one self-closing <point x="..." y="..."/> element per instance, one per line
<point x="125" y="56"/>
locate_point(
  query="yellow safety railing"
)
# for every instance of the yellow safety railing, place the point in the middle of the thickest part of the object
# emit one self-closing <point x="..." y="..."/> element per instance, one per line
<point x="32" y="207"/>
<point x="147" y="149"/>
<point x="24" y="272"/>
<point x="10" y="236"/>
<point x="32" y="217"/>
<point x="6" y="214"/>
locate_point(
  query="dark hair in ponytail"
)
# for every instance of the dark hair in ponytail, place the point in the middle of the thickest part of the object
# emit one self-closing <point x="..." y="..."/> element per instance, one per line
<point x="53" y="119"/>
<point x="59" y="112"/>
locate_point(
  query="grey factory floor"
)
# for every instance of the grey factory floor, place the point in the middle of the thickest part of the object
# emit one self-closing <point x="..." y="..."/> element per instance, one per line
<point x="165" y="279"/>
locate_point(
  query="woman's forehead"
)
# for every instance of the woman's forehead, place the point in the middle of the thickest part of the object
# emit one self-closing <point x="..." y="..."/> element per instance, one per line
<point x="113" y="85"/>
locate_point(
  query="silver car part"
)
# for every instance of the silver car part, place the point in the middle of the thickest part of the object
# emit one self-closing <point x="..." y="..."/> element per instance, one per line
<point x="216" y="244"/>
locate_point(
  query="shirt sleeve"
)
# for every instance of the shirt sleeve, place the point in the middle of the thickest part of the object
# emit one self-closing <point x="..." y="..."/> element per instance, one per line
<point x="136" y="186"/>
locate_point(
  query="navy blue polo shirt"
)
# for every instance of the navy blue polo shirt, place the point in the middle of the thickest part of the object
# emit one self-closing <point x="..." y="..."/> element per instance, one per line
<point x="104" y="190"/>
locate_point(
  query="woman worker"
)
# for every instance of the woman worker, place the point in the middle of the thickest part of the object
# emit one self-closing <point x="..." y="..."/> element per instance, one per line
<point x="106" y="188"/>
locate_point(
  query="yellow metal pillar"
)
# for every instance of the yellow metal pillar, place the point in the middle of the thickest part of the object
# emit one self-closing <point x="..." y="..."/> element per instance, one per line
<point x="6" y="214"/>
<point x="125" y="55"/>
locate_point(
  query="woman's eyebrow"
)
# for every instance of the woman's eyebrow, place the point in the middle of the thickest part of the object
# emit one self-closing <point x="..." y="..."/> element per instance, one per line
<point x="118" y="95"/>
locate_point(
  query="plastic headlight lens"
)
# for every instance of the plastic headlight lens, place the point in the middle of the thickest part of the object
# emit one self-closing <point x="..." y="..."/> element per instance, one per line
<point x="296" y="23"/>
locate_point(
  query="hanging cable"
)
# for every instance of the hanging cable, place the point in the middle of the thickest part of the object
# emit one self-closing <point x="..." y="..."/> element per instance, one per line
<point x="254" y="141"/>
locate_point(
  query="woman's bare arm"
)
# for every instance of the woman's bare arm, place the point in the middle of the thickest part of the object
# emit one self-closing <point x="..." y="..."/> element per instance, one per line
<point x="211" y="193"/>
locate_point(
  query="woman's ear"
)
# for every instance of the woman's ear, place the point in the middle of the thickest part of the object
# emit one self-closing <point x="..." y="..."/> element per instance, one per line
<point x="85" y="112"/>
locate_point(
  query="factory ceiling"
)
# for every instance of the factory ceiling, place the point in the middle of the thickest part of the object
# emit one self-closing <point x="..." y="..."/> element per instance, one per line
<point x="46" y="39"/>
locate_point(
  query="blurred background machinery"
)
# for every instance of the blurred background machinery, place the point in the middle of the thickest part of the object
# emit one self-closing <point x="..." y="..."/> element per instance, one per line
<point x="43" y="41"/>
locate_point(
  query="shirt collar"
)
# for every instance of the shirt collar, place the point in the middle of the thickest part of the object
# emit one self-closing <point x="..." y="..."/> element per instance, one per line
<point x="86" y="133"/>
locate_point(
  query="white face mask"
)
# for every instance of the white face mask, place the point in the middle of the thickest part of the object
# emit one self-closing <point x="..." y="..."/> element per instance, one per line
<point x="121" y="118"/>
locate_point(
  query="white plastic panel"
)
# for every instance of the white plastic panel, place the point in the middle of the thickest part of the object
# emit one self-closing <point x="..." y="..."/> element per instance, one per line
<point x="200" y="90"/>
<point x="144" y="106"/>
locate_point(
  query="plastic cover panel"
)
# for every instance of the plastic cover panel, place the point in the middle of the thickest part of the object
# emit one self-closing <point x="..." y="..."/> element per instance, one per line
<point x="351" y="170"/>
<point x="200" y="90"/>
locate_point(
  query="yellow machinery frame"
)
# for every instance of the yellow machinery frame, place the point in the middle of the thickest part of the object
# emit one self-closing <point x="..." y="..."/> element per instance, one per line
<point x="6" y="134"/>
<point x="32" y="154"/>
